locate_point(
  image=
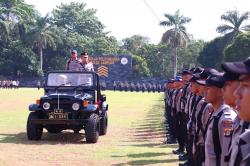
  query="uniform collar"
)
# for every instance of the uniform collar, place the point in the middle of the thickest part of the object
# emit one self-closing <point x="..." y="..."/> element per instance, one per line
<point x="245" y="148"/>
<point x="221" y="108"/>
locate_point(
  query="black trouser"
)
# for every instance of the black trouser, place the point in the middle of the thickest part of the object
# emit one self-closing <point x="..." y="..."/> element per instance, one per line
<point x="183" y="125"/>
<point x="170" y="123"/>
<point x="199" y="156"/>
<point x="179" y="134"/>
<point x="189" y="148"/>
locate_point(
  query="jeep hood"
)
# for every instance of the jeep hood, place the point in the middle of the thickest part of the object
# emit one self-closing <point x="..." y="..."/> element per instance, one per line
<point x="68" y="96"/>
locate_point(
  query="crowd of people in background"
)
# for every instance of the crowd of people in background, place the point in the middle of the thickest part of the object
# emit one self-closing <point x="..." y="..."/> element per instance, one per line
<point x="9" y="84"/>
<point x="207" y="114"/>
<point x="137" y="86"/>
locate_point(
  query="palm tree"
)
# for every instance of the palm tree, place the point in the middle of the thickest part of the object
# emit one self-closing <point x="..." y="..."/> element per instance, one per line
<point x="41" y="36"/>
<point x="236" y="23"/>
<point x="177" y="35"/>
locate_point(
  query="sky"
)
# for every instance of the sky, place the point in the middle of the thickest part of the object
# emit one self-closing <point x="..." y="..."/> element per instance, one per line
<point x="125" y="18"/>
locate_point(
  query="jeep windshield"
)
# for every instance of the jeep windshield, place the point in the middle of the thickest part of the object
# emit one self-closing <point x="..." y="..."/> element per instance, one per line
<point x="70" y="79"/>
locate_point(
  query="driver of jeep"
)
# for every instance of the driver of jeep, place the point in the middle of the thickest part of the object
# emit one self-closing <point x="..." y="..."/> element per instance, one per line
<point x="62" y="80"/>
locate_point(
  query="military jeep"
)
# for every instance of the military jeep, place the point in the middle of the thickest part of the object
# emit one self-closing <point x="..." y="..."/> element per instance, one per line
<point x="72" y="101"/>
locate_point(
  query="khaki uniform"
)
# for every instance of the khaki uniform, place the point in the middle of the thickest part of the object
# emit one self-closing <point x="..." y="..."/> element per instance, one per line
<point x="225" y="128"/>
<point x="240" y="143"/>
<point x="87" y="67"/>
<point x="199" y="140"/>
<point x="73" y="65"/>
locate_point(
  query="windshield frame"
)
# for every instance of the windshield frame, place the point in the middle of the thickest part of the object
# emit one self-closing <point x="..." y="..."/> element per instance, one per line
<point x="93" y="86"/>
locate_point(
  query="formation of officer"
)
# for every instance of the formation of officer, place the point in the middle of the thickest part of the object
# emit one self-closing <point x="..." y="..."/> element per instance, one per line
<point x="207" y="114"/>
<point x="137" y="86"/>
<point x="9" y="84"/>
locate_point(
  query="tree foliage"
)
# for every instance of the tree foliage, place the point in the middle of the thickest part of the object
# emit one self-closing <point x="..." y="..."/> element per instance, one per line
<point x="74" y="17"/>
<point x="212" y="54"/>
<point x="239" y="49"/>
<point x="18" y="60"/>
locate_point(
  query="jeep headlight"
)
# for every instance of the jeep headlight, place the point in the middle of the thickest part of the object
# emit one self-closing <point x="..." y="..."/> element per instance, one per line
<point x="46" y="105"/>
<point x="76" y="106"/>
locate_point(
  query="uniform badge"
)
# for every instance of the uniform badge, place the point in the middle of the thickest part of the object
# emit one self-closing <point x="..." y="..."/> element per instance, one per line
<point x="228" y="132"/>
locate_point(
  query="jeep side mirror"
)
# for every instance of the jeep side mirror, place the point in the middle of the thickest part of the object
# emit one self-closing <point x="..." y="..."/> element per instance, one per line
<point x="103" y="98"/>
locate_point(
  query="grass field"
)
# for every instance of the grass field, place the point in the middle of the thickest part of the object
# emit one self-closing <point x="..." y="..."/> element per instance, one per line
<point x="134" y="137"/>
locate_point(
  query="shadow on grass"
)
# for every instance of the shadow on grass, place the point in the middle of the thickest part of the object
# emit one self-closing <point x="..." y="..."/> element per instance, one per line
<point x="146" y="162"/>
<point x="153" y="145"/>
<point x="151" y="126"/>
<point x="47" y="138"/>
<point x="141" y="155"/>
<point x="143" y="134"/>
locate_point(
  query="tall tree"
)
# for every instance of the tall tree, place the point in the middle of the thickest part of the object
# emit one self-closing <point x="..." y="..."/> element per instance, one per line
<point x="212" y="53"/>
<point x="134" y="43"/>
<point x="236" y="22"/>
<point x="177" y="35"/>
<point x="41" y="36"/>
<point x="74" y="17"/>
<point x="239" y="49"/>
<point x="13" y="14"/>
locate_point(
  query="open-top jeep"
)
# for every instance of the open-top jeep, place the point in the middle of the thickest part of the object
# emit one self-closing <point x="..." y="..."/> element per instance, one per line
<point x="72" y="100"/>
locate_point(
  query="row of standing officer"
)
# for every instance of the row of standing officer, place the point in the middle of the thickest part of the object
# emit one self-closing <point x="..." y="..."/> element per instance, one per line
<point x="132" y="86"/>
<point x="208" y="113"/>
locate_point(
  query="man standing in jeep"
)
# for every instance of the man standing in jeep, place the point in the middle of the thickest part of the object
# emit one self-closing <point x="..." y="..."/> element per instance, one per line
<point x="73" y="64"/>
<point x="85" y="64"/>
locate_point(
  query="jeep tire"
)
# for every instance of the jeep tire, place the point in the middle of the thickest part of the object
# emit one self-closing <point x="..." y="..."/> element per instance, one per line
<point x="34" y="131"/>
<point x="92" y="128"/>
<point x="104" y="124"/>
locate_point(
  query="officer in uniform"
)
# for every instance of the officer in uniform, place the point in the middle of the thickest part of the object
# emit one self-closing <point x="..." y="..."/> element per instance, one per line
<point x="198" y="148"/>
<point x="126" y="86"/>
<point x="186" y="76"/>
<point x="138" y="85"/>
<point x="122" y="86"/>
<point x="240" y="147"/>
<point x="85" y="64"/>
<point x="177" y="115"/>
<point x="149" y="87"/>
<point x="73" y="64"/>
<point x="114" y="85"/>
<point x="103" y="85"/>
<point x="220" y="127"/>
<point x="169" y="123"/>
<point x="144" y="88"/>
<point x="189" y="99"/>
<point x="159" y="87"/>
<point x="154" y="87"/>
<point x="132" y="87"/>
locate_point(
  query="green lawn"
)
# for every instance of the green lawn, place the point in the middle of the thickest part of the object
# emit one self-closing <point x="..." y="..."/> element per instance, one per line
<point x="134" y="136"/>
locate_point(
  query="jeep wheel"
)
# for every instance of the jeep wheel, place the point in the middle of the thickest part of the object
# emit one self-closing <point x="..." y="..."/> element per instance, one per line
<point x="34" y="131"/>
<point x="104" y="124"/>
<point x="53" y="129"/>
<point x="92" y="129"/>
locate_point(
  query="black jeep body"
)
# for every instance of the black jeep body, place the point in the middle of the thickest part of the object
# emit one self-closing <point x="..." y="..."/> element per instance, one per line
<point x="72" y="100"/>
